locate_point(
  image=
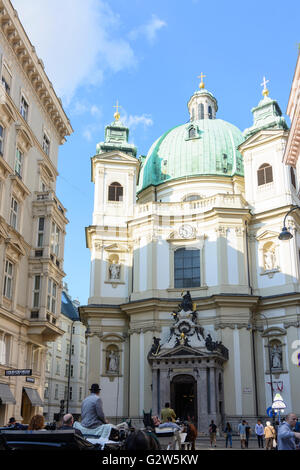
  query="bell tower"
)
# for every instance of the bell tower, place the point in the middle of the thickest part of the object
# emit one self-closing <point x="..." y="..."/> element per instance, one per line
<point x="115" y="171"/>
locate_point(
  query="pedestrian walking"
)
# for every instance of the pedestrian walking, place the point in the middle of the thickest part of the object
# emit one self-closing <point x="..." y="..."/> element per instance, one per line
<point x="242" y="433"/>
<point x="167" y="412"/>
<point x="248" y="431"/>
<point x="213" y="434"/>
<point x="270" y="435"/>
<point x="228" y="434"/>
<point x="286" y="434"/>
<point x="259" y="431"/>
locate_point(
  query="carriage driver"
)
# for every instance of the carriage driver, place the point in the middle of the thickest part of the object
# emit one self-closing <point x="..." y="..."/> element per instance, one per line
<point x="92" y="414"/>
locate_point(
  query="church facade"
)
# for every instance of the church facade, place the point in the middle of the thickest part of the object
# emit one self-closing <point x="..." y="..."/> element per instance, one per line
<point x="193" y="298"/>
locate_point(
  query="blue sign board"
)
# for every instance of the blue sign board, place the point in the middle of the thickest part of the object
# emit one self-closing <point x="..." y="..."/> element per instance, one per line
<point x="270" y="412"/>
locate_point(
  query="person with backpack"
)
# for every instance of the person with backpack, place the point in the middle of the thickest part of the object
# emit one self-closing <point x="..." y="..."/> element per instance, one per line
<point x="213" y="434"/>
<point x="270" y="434"/>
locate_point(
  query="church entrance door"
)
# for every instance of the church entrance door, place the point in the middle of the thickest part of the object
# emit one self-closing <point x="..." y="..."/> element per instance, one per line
<point x="184" y="397"/>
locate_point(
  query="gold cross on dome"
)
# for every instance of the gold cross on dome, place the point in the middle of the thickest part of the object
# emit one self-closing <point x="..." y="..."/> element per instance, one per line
<point x="265" y="91"/>
<point x="201" y="76"/>
<point x="117" y="114"/>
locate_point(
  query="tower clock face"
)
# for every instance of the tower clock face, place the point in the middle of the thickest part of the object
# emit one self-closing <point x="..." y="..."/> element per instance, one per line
<point x="186" y="231"/>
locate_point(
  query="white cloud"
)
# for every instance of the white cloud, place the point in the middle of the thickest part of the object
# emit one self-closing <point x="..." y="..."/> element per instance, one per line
<point x="77" y="44"/>
<point x="133" y="121"/>
<point x="149" y="30"/>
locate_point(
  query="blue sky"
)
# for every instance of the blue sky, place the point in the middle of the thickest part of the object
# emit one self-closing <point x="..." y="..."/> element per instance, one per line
<point x="148" y="55"/>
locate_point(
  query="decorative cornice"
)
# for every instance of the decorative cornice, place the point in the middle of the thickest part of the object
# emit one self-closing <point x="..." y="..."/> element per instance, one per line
<point x="33" y="67"/>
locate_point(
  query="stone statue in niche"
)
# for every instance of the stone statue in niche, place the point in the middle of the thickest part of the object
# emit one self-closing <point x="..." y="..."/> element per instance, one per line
<point x="276" y="357"/>
<point x="114" y="271"/>
<point x="269" y="260"/>
<point x="112" y="362"/>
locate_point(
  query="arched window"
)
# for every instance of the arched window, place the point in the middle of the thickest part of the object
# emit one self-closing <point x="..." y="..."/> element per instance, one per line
<point x="115" y="192"/>
<point x="192" y="133"/>
<point x="201" y="111"/>
<point x="186" y="268"/>
<point x="293" y="178"/>
<point x="264" y="174"/>
<point x="209" y="112"/>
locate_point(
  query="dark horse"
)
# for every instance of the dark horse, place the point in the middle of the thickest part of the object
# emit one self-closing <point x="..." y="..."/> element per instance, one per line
<point x="141" y="440"/>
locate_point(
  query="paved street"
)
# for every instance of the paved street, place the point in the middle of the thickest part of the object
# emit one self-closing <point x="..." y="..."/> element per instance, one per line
<point x="203" y="443"/>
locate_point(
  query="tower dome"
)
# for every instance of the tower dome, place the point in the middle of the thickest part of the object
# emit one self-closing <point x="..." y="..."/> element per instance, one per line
<point x="203" y="146"/>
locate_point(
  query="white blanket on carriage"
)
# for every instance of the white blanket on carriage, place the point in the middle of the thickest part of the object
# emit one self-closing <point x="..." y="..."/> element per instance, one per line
<point x="102" y="431"/>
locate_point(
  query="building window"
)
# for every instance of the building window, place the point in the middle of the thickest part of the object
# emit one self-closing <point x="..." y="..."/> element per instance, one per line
<point x="46" y="390"/>
<point x="58" y="368"/>
<point x="187" y="268"/>
<point x="81" y="372"/>
<point x="6" y="79"/>
<point x="36" y="291"/>
<point x="55" y="239"/>
<point x="264" y="174"/>
<point x="73" y="349"/>
<point x="51" y="298"/>
<point x="209" y="112"/>
<point x="191" y="197"/>
<point x="8" y="279"/>
<point x="1" y="140"/>
<point x="68" y="349"/>
<point x="46" y="144"/>
<point x="14" y="207"/>
<point x="192" y="133"/>
<point x="201" y="111"/>
<point x="67" y="370"/>
<point x="72" y="371"/>
<point x="71" y="393"/>
<point x="24" y="108"/>
<point x="80" y="393"/>
<point x="115" y="192"/>
<point x="56" y="392"/>
<point x="41" y="227"/>
<point x="19" y="163"/>
<point x="293" y="178"/>
<point x="4" y="348"/>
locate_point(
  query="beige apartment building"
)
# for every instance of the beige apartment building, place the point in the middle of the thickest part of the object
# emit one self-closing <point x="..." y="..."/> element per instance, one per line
<point x="65" y="385"/>
<point x="33" y="125"/>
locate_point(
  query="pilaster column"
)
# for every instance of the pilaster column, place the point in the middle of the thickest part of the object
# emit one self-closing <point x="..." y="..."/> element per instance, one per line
<point x="212" y="379"/>
<point x="155" y="403"/>
<point x="202" y="401"/>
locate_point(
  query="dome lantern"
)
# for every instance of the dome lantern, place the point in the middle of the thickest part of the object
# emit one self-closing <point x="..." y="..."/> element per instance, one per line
<point x="202" y="105"/>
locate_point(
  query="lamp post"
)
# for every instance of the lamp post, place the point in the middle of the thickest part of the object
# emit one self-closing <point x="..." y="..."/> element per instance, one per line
<point x="285" y="234"/>
<point x="270" y="363"/>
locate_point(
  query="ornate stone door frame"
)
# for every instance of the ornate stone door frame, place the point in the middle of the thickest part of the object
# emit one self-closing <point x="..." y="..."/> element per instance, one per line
<point x="205" y="370"/>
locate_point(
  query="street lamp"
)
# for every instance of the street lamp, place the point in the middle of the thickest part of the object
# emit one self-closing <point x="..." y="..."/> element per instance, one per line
<point x="285" y="234"/>
<point x="278" y="404"/>
<point x="270" y="363"/>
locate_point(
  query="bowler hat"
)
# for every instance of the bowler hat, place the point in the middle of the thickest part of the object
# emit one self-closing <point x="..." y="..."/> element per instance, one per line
<point x="95" y="388"/>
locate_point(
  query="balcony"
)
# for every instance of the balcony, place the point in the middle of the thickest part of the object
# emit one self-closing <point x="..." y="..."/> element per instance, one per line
<point x="43" y="326"/>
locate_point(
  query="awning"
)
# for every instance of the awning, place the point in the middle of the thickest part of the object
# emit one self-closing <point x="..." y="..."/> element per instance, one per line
<point x="6" y="395"/>
<point x="33" y="396"/>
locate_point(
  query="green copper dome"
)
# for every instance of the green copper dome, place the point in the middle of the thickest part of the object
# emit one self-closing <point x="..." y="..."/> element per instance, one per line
<point x="200" y="147"/>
